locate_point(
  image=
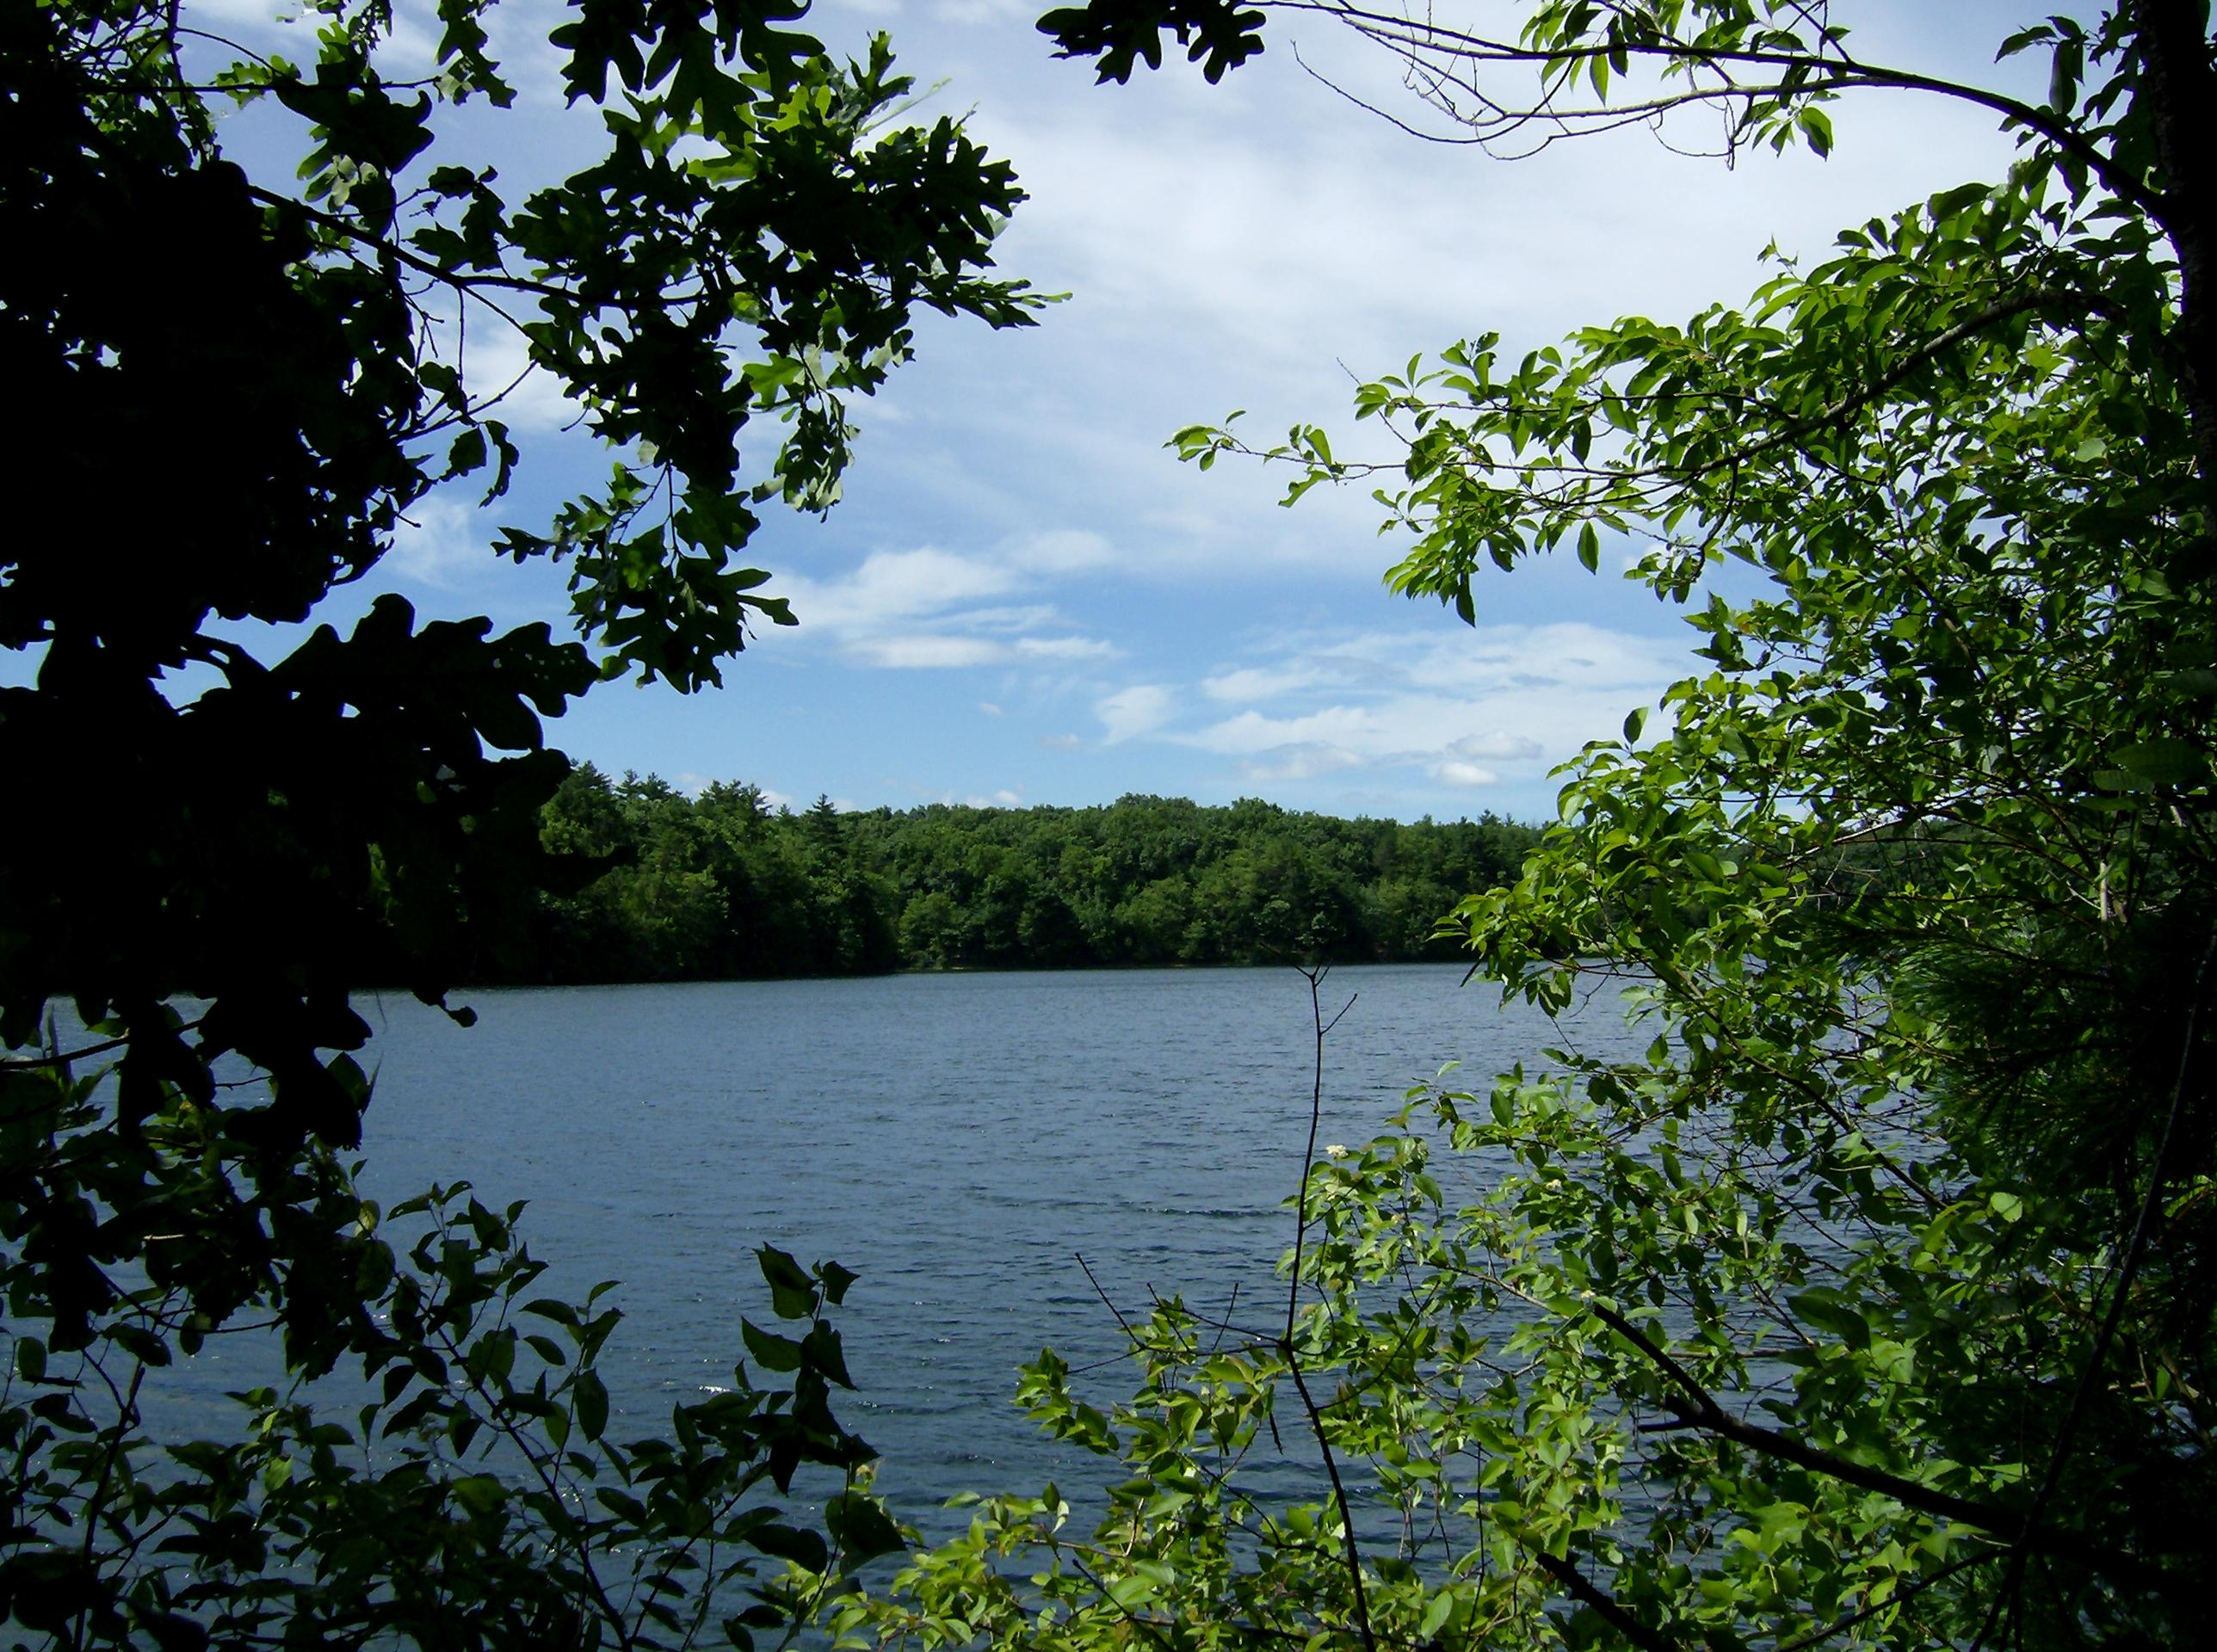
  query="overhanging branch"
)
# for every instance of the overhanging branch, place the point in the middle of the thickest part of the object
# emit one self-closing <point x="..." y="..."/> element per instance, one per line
<point x="1576" y="1584"/>
<point x="1816" y="74"/>
<point x="1692" y="1406"/>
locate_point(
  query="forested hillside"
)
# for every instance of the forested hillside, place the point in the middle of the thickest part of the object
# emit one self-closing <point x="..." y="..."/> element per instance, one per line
<point x="727" y="883"/>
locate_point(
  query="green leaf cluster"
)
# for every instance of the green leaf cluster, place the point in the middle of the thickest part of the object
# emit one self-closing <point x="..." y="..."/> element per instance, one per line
<point x="441" y="1464"/>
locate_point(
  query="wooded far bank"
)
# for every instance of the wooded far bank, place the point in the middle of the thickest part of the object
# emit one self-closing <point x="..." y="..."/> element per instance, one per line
<point x="729" y="884"/>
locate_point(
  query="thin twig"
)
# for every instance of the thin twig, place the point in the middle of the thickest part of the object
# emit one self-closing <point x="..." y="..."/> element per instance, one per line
<point x="65" y="1058"/>
<point x="126" y="1419"/>
<point x="1103" y="1295"/>
<point x="1224" y="1325"/>
<point x="1315" y="976"/>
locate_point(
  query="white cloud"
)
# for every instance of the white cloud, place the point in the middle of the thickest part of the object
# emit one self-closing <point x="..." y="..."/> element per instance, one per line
<point x="1270" y="242"/>
<point x="1282" y="239"/>
<point x="896" y="585"/>
<point x="979" y="11"/>
<point x="1062" y="551"/>
<point x="408" y="45"/>
<point x="1497" y="744"/>
<point x="1061" y="742"/>
<point x="1000" y="798"/>
<point x="438" y="544"/>
<point x="1467" y="708"/>
<point x="1251" y="683"/>
<point x="1130" y="713"/>
<point x="931" y="608"/>
<point x="989" y="708"/>
<point x="1302" y="763"/>
<point x="924" y="653"/>
<point x="1010" y="621"/>
<point x="1456" y="773"/>
<point x="1065" y="648"/>
<point x="497" y="360"/>
<point x="246" y="12"/>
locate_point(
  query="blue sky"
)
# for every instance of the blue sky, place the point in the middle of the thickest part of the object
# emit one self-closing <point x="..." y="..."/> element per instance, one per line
<point x="1025" y="599"/>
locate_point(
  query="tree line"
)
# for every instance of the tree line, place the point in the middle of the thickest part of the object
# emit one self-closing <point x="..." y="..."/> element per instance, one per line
<point x="727" y="884"/>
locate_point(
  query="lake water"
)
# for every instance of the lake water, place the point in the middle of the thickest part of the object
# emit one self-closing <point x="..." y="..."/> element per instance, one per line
<point x="957" y="1140"/>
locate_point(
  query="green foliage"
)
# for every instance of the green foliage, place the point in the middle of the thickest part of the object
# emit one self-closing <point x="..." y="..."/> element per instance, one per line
<point x="270" y="793"/>
<point x="1872" y="1305"/>
<point x="723" y="886"/>
<point x="475" y="1493"/>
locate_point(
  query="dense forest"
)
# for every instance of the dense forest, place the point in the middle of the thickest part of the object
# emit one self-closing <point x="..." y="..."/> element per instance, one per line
<point x="729" y="884"/>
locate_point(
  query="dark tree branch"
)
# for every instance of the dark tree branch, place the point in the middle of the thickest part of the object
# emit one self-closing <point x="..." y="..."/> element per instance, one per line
<point x="1694" y="1406"/>
<point x="1130" y="1335"/>
<point x="391" y="247"/>
<point x="1576" y="1584"/>
<point x="65" y="1058"/>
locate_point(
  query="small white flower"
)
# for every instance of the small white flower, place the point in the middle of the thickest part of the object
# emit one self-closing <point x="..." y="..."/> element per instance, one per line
<point x="1335" y="1151"/>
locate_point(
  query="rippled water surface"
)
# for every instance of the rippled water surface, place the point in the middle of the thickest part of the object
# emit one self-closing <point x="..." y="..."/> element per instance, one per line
<point x="957" y="1140"/>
